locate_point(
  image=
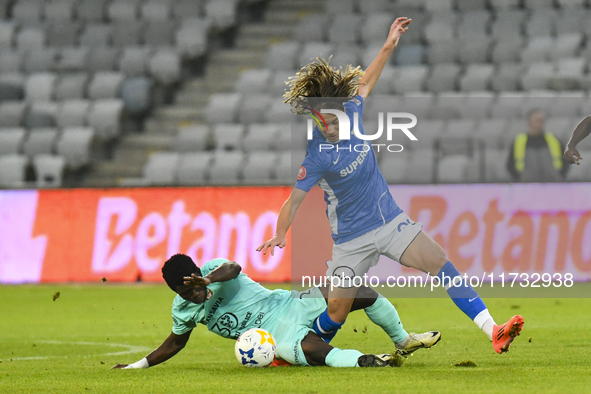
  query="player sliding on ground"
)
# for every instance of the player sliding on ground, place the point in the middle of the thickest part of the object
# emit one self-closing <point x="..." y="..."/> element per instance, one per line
<point x="228" y="302"/>
<point x="583" y="129"/>
<point x="365" y="220"/>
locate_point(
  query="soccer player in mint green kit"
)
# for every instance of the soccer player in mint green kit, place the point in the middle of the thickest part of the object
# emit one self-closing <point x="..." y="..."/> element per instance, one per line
<point x="365" y="220"/>
<point x="228" y="302"/>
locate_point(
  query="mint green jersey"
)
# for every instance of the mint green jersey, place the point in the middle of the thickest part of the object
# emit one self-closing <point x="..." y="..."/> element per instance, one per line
<point x="230" y="307"/>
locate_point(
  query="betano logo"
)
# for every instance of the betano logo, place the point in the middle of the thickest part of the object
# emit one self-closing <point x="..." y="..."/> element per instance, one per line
<point x="345" y="129"/>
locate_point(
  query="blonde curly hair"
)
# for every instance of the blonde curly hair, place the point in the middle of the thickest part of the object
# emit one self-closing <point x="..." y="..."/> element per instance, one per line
<point x="319" y="79"/>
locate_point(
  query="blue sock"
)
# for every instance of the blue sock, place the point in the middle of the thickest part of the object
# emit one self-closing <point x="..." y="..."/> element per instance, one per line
<point x="462" y="294"/>
<point x="325" y="327"/>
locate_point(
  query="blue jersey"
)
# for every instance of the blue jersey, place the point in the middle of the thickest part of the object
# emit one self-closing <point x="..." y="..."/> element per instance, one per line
<point x="356" y="194"/>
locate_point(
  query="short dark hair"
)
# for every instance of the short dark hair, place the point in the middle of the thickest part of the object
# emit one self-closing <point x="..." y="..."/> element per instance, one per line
<point x="176" y="268"/>
<point x="533" y="111"/>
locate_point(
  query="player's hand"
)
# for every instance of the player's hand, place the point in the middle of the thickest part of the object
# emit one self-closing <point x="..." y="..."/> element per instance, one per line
<point x="572" y="155"/>
<point x="399" y="26"/>
<point x="272" y="243"/>
<point x="197" y="281"/>
<point x="120" y="366"/>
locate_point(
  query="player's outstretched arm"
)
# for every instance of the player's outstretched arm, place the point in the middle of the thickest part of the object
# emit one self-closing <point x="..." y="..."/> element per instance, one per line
<point x="171" y="346"/>
<point x="286" y="215"/>
<point x="583" y="129"/>
<point x="223" y="273"/>
<point x="373" y="72"/>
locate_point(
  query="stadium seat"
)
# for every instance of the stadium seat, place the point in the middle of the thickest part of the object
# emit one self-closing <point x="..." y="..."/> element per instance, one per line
<point x="420" y="167"/>
<point x="443" y="52"/>
<point x="92" y="10"/>
<point x="538" y="49"/>
<point x="123" y="10"/>
<point x="538" y="4"/>
<point x="474" y="25"/>
<point x="311" y="28"/>
<point x="42" y="59"/>
<point x="340" y="31"/>
<point x="49" y="170"/>
<point x="508" y="23"/>
<point x="134" y="61"/>
<point x="411" y="55"/>
<point x="192" y="138"/>
<point x="228" y="136"/>
<point x="471" y="5"/>
<point x="105" y="85"/>
<point x="97" y="35"/>
<point x="568" y="104"/>
<point x="374" y="6"/>
<point x="394" y="167"/>
<point x="11" y="140"/>
<point x="475" y="51"/>
<point x="477" y="105"/>
<point x="258" y="167"/>
<point x="566" y="46"/>
<point x="278" y="86"/>
<point x="30" y="39"/>
<point x="477" y="77"/>
<point x="105" y="117"/>
<point x="11" y="61"/>
<point x="571" y="4"/>
<point x="541" y="23"/>
<point x="442" y="28"/>
<point x="313" y="50"/>
<point x="137" y="95"/>
<point x="438" y="5"/>
<point x="279" y="112"/>
<point x="282" y="56"/>
<point x="12" y="170"/>
<point x="507" y="77"/>
<point x="495" y="167"/>
<point x="59" y="10"/>
<point x="194" y="167"/>
<point x="60" y="34"/>
<point x="345" y="55"/>
<point x="253" y="81"/>
<point x="12" y="87"/>
<point x="507" y="51"/>
<point x="253" y="108"/>
<point x="6" y="34"/>
<point x="537" y="76"/>
<point x="191" y="37"/>
<point x="223" y="13"/>
<point x="226" y="167"/>
<point x="75" y="146"/>
<point x="155" y="10"/>
<point x="12" y="113"/>
<point x="162" y="168"/>
<point x="453" y="169"/>
<point x="561" y="127"/>
<point x="493" y="132"/>
<point x="222" y="108"/>
<point x="286" y="171"/>
<point x="128" y="33"/>
<point x="71" y="86"/>
<point x="411" y="79"/>
<point x="103" y="59"/>
<point x="72" y="113"/>
<point x="340" y="6"/>
<point x="369" y="53"/>
<point x="160" y="33"/>
<point x="183" y="9"/>
<point x="261" y="137"/>
<point x="40" y="141"/>
<point x="73" y="59"/>
<point x="569" y="74"/>
<point x="570" y="21"/>
<point x="41" y="114"/>
<point x="283" y="136"/>
<point x="443" y="77"/>
<point x="28" y="12"/>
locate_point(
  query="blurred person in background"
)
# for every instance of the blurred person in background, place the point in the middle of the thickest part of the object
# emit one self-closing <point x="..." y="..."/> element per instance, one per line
<point x="583" y="129"/>
<point x="536" y="156"/>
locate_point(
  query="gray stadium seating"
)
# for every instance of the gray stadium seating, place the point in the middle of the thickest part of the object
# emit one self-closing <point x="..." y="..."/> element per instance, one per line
<point x="40" y="141"/>
<point x="162" y="168"/>
<point x="49" y="170"/>
<point x="193" y="168"/>
<point x="11" y="140"/>
<point x="192" y="138"/>
<point x="12" y="170"/>
<point x="74" y="145"/>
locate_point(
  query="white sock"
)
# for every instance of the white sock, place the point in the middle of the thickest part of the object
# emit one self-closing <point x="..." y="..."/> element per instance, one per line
<point x="485" y="322"/>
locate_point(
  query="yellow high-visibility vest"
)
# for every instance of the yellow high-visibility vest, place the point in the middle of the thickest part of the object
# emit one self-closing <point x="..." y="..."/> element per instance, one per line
<point x="553" y="146"/>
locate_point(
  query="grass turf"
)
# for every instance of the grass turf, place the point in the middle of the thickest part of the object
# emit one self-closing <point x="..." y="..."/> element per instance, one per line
<point x="70" y="344"/>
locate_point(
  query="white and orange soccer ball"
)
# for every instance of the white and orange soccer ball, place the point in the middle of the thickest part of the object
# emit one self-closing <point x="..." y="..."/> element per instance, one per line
<point x="255" y="348"/>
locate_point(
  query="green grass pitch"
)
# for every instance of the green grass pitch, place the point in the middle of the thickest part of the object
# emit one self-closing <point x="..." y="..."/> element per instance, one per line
<point x="70" y="344"/>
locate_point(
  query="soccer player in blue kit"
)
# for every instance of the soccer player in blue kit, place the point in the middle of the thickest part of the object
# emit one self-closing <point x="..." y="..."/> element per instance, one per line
<point x="225" y="300"/>
<point x="365" y="220"/>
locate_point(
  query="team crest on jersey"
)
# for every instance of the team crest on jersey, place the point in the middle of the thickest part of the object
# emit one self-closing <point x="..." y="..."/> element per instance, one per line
<point x="209" y="295"/>
<point x="356" y="101"/>
<point x="302" y="173"/>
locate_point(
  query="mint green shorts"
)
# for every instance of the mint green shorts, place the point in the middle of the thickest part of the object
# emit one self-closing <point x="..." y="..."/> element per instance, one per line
<point x="295" y="322"/>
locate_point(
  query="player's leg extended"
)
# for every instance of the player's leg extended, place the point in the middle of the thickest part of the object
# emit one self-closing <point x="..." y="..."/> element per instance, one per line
<point x="426" y="255"/>
<point x="318" y="352"/>
<point x="351" y="260"/>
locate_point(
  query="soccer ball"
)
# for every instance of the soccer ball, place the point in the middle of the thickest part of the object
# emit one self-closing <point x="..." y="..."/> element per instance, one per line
<point x="255" y="348"/>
